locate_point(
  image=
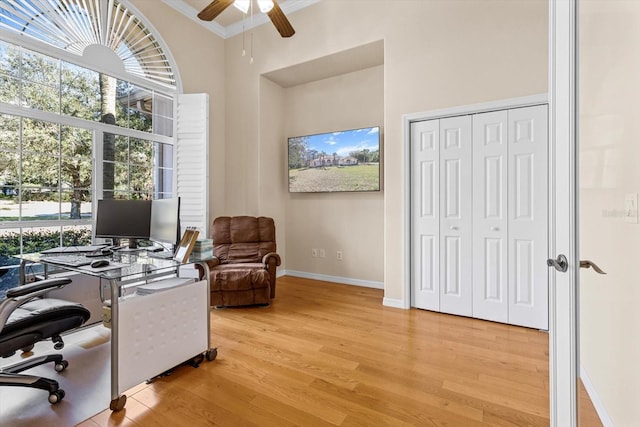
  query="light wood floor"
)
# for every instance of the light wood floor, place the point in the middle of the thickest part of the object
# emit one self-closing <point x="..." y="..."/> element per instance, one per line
<point x="325" y="354"/>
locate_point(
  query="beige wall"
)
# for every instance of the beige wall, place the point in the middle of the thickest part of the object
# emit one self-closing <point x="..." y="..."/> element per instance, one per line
<point x="609" y="73"/>
<point x="349" y="222"/>
<point x="437" y="54"/>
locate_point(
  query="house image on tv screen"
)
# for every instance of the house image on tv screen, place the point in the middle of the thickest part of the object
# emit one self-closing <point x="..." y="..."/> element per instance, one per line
<point x="335" y="161"/>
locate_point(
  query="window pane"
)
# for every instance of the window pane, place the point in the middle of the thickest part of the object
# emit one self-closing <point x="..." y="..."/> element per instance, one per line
<point x="9" y="60"/>
<point x="40" y="97"/>
<point x="40" y="170"/>
<point x="121" y="149"/>
<point x="80" y="92"/>
<point x="41" y="69"/>
<point x="123" y="89"/>
<point x="121" y="182"/>
<point x="162" y="115"/>
<point x="9" y="203"/>
<point x="40" y="137"/>
<point x="141" y="179"/>
<point x="9" y="246"/>
<point x="76" y="204"/>
<point x="37" y="239"/>
<point x="40" y="204"/>
<point x="9" y="89"/>
<point x="76" y="235"/>
<point x="165" y="155"/>
<point x="141" y="152"/>
<point x="76" y="142"/>
<point x="140" y="109"/>
<point x="9" y="132"/>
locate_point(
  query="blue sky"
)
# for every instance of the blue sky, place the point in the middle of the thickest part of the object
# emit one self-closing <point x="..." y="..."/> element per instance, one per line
<point x="346" y="141"/>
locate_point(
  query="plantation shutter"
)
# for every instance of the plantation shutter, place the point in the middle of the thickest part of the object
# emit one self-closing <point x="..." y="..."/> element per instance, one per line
<point x="192" y="161"/>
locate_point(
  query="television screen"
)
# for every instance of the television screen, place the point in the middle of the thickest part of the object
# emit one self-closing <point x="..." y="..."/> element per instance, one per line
<point x="347" y="160"/>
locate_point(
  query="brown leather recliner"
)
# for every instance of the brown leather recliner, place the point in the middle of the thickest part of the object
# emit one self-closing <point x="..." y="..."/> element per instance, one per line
<point x="243" y="269"/>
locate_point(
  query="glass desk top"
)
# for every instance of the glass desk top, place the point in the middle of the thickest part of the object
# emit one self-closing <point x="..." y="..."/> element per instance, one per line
<point x="123" y="265"/>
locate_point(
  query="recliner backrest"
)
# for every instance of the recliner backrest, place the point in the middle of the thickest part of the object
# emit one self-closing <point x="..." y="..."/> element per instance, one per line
<point x="242" y="239"/>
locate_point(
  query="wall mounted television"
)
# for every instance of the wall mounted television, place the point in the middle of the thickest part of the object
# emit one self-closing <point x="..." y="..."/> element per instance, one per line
<point x="347" y="160"/>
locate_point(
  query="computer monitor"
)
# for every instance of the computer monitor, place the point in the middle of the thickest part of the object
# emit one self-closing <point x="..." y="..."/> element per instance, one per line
<point x="165" y="221"/>
<point x="124" y="219"/>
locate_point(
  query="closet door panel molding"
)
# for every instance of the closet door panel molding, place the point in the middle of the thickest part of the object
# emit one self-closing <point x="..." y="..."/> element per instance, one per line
<point x="490" y="229"/>
<point x="528" y="221"/>
<point x="425" y="158"/>
<point x="456" y="216"/>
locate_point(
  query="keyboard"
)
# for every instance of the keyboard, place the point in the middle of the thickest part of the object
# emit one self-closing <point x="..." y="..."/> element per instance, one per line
<point x="68" y="260"/>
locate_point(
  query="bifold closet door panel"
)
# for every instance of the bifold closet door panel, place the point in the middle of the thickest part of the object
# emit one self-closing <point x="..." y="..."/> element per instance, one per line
<point x="425" y="234"/>
<point x="456" y="263"/>
<point x="490" y="231"/>
<point x="528" y="217"/>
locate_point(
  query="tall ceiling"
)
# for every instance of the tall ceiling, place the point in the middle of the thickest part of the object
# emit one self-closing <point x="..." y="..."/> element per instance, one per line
<point x="230" y="22"/>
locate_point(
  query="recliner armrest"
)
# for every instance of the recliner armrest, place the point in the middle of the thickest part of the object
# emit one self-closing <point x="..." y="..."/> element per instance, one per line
<point x="35" y="287"/>
<point x="265" y="259"/>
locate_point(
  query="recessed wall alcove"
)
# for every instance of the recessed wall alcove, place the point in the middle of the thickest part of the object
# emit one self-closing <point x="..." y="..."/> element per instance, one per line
<point x="343" y="90"/>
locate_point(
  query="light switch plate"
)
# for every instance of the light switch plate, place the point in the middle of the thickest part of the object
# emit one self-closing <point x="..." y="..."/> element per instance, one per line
<point x="631" y="208"/>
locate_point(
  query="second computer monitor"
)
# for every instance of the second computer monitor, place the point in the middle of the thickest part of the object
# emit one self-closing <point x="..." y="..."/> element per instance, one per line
<point x="165" y="221"/>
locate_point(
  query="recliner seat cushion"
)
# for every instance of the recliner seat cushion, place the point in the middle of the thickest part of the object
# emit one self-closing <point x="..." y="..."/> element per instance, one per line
<point x="235" y="278"/>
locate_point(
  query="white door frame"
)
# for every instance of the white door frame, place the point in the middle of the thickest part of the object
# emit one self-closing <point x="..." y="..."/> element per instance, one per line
<point x="563" y="308"/>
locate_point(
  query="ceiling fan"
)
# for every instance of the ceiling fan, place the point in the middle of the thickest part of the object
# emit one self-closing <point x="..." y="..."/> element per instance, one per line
<point x="270" y="7"/>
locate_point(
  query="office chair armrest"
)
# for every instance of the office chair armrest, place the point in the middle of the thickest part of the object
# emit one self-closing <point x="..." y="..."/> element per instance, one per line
<point x="36" y="287"/>
<point x="265" y="259"/>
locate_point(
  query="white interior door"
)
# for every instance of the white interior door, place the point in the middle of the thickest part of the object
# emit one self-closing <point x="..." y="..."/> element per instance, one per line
<point x="456" y="216"/>
<point x="425" y="236"/>
<point x="490" y="245"/>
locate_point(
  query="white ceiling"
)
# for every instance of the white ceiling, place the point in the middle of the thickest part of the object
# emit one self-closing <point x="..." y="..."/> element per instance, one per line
<point x="230" y="22"/>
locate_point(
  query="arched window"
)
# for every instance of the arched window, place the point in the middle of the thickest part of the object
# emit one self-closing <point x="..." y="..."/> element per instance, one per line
<point x="86" y="112"/>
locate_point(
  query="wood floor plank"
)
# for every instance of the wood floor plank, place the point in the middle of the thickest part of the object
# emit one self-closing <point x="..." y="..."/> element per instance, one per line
<point x="324" y="354"/>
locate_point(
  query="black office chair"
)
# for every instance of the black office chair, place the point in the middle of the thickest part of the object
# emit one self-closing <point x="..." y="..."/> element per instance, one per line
<point x="26" y="319"/>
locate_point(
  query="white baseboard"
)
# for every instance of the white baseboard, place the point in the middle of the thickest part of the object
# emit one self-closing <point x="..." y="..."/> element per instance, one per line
<point x="595" y="399"/>
<point x="395" y="303"/>
<point x="333" y="279"/>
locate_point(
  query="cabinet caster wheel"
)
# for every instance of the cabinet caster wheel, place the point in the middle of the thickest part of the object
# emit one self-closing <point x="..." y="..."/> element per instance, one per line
<point x="59" y="367"/>
<point x="212" y="353"/>
<point x="118" y="404"/>
<point x="56" y="396"/>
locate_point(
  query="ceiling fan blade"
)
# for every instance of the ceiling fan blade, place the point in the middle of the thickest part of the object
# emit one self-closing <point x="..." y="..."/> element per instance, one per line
<point x="280" y="21"/>
<point x="215" y="8"/>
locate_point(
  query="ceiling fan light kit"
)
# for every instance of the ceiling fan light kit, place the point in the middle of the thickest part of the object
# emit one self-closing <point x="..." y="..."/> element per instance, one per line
<point x="270" y="7"/>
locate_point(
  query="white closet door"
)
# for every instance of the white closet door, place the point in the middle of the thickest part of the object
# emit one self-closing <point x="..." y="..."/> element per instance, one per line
<point x="528" y="272"/>
<point x="425" y="182"/>
<point x="456" y="216"/>
<point x="490" y="293"/>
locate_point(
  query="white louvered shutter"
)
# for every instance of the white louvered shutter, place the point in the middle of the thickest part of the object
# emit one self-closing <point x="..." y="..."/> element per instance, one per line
<point x="192" y="161"/>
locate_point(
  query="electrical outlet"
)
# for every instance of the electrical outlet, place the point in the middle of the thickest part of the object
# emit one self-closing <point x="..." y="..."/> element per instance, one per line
<point x="322" y="253"/>
<point x="339" y="255"/>
<point x="314" y="252"/>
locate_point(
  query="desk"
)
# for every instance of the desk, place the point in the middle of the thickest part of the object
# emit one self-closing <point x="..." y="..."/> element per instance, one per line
<point x="150" y="334"/>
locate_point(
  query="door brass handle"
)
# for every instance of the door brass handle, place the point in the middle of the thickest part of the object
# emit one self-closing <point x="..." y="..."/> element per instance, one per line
<point x="586" y="264"/>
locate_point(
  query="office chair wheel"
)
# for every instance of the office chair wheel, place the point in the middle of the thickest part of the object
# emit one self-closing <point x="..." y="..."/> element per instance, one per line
<point x="211" y="354"/>
<point x="118" y="403"/>
<point x="56" y="396"/>
<point x="59" y="367"/>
